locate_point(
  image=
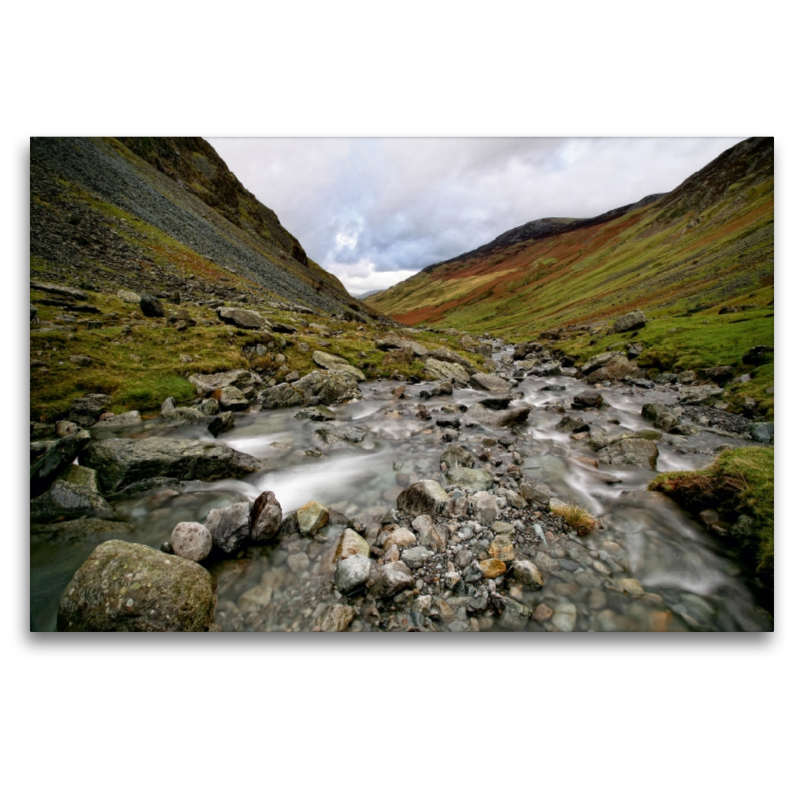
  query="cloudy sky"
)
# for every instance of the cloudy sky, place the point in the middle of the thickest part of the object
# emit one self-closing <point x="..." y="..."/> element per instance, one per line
<point x="376" y="211"/>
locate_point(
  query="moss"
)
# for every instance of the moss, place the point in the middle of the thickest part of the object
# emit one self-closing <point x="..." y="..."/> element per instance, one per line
<point x="740" y="481"/>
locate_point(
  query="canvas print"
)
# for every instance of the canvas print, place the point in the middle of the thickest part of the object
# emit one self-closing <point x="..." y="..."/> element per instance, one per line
<point x="401" y="385"/>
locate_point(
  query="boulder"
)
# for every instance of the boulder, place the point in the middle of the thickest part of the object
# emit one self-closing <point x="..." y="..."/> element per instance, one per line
<point x="327" y="388"/>
<point x="128" y="297"/>
<point x="469" y="478"/>
<point x="595" y="362"/>
<point x="456" y="456"/>
<point x="87" y="410"/>
<point x="588" y="399"/>
<point x="229" y="526"/>
<point x="316" y="414"/>
<point x="667" y="418"/>
<point x="510" y="417"/>
<point x="231" y="399"/>
<point x="637" y="452"/>
<point x="191" y="540"/>
<point x="121" y="463"/>
<point x="616" y="369"/>
<point x="334" y="363"/>
<point x="699" y="395"/>
<point x="447" y="371"/>
<point x="337" y="437"/>
<point x="629" y="322"/>
<point x="352" y="573"/>
<point x="265" y="518"/>
<point x="422" y="497"/>
<point x="569" y="424"/>
<point x="130" y="419"/>
<point x="489" y="383"/>
<point x="151" y="306"/>
<point x="284" y="395"/>
<point x="443" y="354"/>
<point x="241" y="318"/>
<point x="73" y="494"/>
<point x="131" y="587"/>
<point x="206" y="384"/>
<point x="56" y="459"/>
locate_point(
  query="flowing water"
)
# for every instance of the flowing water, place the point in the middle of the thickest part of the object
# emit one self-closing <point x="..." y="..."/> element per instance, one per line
<point x="689" y="583"/>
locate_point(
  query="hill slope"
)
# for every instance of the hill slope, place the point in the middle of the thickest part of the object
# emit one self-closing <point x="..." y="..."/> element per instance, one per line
<point x="707" y="243"/>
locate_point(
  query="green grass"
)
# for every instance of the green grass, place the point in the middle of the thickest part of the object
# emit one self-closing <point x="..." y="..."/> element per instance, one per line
<point x="740" y="481"/>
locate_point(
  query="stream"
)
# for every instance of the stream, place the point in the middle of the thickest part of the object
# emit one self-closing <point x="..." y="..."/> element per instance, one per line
<point x="689" y="583"/>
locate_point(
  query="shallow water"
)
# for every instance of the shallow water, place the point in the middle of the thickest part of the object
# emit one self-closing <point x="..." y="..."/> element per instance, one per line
<point x="689" y="584"/>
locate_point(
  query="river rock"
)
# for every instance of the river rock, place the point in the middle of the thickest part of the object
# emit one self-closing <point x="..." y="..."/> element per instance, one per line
<point x="311" y="517"/>
<point x="422" y="497"/>
<point x="351" y="544"/>
<point x="231" y="399"/>
<point x="528" y="574"/>
<point x="151" y="306"/>
<point x="131" y="587"/>
<point x="515" y="415"/>
<point x="485" y="507"/>
<point x="502" y="548"/>
<point x="241" y="318"/>
<point x="130" y="419"/>
<point x="535" y="493"/>
<point x="572" y="425"/>
<point x="668" y="418"/>
<point x="430" y="535"/>
<point x="515" y="615"/>
<point x="56" y="459"/>
<point x="615" y="369"/>
<point x="334" y="363"/>
<point x="191" y="540"/>
<point x="565" y="617"/>
<point x="588" y="399"/>
<point x="316" y="414"/>
<point x="446" y="371"/>
<point x="229" y="526"/>
<point x="595" y="362"/>
<point x="489" y="383"/>
<point x="123" y="462"/>
<point x="265" y="518"/>
<point x="65" y="427"/>
<point x="389" y="579"/>
<point x="699" y="395"/>
<point x="415" y="557"/>
<point x="73" y="494"/>
<point x="492" y="567"/>
<point x="337" y="619"/>
<point x="337" y="437"/>
<point x="629" y="322"/>
<point x="327" y="388"/>
<point x="87" y="410"/>
<point x="638" y="452"/>
<point x="284" y="395"/>
<point x="221" y="423"/>
<point x="469" y="478"/>
<point x="456" y="456"/>
<point x="630" y="586"/>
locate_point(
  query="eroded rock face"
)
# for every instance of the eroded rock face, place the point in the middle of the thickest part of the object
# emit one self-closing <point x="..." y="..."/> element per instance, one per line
<point x="131" y="587"/>
<point x="122" y="462"/>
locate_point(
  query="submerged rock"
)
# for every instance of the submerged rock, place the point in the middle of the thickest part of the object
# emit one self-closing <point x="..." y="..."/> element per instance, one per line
<point x="638" y="452"/>
<point x="130" y="587"/>
<point x="469" y="478"/>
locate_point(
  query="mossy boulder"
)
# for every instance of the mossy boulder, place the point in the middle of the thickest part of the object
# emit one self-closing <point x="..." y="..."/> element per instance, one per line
<point x="131" y="587"/>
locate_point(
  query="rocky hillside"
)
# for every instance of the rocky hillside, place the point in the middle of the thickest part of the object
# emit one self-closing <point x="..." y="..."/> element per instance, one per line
<point x="165" y="215"/>
<point x="705" y="245"/>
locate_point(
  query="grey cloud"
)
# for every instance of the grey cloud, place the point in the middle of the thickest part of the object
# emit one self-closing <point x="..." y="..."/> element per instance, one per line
<point x="398" y="205"/>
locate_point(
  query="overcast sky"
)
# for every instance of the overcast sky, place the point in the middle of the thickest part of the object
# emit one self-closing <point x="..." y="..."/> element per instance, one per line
<point x="376" y="211"/>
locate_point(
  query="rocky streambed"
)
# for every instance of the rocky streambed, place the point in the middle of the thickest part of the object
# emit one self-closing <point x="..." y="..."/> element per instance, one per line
<point x="422" y="507"/>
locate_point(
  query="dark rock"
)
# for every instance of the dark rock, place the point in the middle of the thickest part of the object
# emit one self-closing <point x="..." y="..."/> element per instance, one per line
<point x="762" y="431"/>
<point x="151" y="306"/>
<point x="130" y="587"/>
<point x="638" y="452"/>
<point x="74" y="494"/>
<point x="265" y="518"/>
<point x="221" y="423"/>
<point x="316" y="414"/>
<point x="123" y="462"/>
<point x="87" y="410"/>
<point x="572" y="425"/>
<point x="422" y="497"/>
<point x="760" y="354"/>
<point x="588" y="399"/>
<point x="229" y="526"/>
<point x="56" y="459"/>
<point x="497" y="403"/>
<point x="64" y="291"/>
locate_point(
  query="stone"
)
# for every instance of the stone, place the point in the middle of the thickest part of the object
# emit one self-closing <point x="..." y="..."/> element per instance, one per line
<point x="535" y="493"/>
<point x="542" y="612"/>
<point x="629" y="322"/>
<point x="699" y="395"/>
<point x="334" y="363"/>
<point x="81" y="361"/>
<point x="510" y="417"/>
<point x="128" y="297"/>
<point x="389" y="579"/>
<point x="229" y="526"/>
<point x="131" y="587"/>
<point x="56" y="459"/>
<point x="316" y="414"/>
<point x="430" y="535"/>
<point x="221" y="423"/>
<point x="311" y="517"/>
<point x="422" y="497"/>
<point x="337" y="619"/>
<point x="528" y="574"/>
<point x="87" y="410"/>
<point x="588" y="399"/>
<point x="265" y="518"/>
<point x="502" y="548"/>
<point x="351" y="544"/>
<point x="761" y="431"/>
<point x="565" y="617"/>
<point x="485" y="508"/>
<point x="121" y="463"/>
<point x="327" y="388"/>
<point x="400" y="538"/>
<point x="760" y="354"/>
<point x="469" y="478"/>
<point x="231" y="399"/>
<point x="415" y="557"/>
<point x="515" y="615"/>
<point x="492" y="568"/>
<point x="572" y="425"/>
<point x="456" y="456"/>
<point x="64" y="428"/>
<point x="667" y="418"/>
<point x="191" y="540"/>
<point x="241" y="318"/>
<point x="337" y="437"/>
<point x="484" y="381"/>
<point x="447" y="371"/>
<point x="298" y="563"/>
<point x="630" y="586"/>
<point x="207" y="384"/>
<point x="615" y="369"/>
<point x="73" y="494"/>
<point x="151" y="306"/>
<point x="130" y="419"/>
<point x="637" y="452"/>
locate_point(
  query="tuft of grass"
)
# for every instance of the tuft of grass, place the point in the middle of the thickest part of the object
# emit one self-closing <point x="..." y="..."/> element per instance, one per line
<point x="740" y="481"/>
<point x="576" y="516"/>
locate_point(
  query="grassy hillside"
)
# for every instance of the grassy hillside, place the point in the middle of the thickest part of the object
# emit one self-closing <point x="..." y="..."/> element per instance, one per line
<point x="705" y="245"/>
